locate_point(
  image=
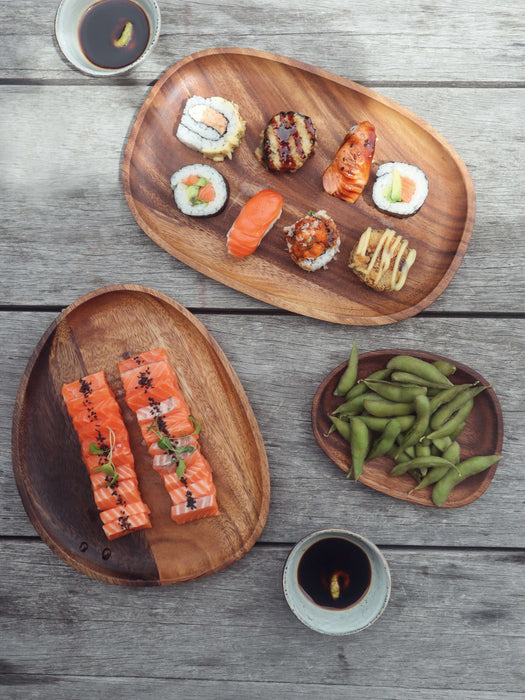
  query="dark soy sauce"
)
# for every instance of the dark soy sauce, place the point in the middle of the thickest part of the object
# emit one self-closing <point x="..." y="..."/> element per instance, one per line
<point x="103" y="23"/>
<point x="334" y="573"/>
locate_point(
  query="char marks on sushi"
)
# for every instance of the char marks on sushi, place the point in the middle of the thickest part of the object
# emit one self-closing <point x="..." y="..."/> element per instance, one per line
<point x="400" y="189"/>
<point x="211" y="125"/>
<point x="256" y="218"/>
<point x="382" y="259"/>
<point x="347" y="175"/>
<point x="287" y="142"/>
<point x="313" y="241"/>
<point x="199" y="190"/>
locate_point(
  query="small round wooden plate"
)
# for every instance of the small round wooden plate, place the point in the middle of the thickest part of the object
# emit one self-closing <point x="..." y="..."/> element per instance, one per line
<point x="262" y="84"/>
<point x="482" y="435"/>
<point x="95" y="333"/>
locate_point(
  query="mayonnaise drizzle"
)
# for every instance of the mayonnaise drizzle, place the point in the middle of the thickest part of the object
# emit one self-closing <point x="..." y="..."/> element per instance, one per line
<point x="388" y="246"/>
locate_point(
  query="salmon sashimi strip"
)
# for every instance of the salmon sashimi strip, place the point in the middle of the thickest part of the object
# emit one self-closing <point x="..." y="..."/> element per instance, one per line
<point x="348" y="173"/>
<point x="130" y="509"/>
<point x="126" y="524"/>
<point x="256" y="218"/>
<point x="203" y="507"/>
<point x="170" y="433"/>
<point x="105" y="449"/>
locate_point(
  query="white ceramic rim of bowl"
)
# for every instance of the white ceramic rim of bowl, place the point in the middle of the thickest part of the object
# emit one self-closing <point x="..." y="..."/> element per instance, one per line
<point x="90" y="68"/>
<point x="293" y="593"/>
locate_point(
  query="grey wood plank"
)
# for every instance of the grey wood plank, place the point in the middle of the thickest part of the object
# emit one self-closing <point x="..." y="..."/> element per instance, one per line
<point x="65" y="217"/>
<point x="280" y="361"/>
<point x="472" y="41"/>
<point x="454" y="622"/>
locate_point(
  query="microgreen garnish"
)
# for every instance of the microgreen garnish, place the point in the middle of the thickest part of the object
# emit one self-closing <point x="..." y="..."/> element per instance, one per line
<point x="175" y="452"/>
<point x="108" y="468"/>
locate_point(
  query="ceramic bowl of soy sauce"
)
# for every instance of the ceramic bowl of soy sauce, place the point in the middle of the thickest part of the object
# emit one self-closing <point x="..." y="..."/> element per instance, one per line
<point x="336" y="582"/>
<point x="108" y="37"/>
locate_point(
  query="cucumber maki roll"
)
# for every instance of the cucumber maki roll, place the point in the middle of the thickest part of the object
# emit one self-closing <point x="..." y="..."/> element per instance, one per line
<point x="199" y="190"/>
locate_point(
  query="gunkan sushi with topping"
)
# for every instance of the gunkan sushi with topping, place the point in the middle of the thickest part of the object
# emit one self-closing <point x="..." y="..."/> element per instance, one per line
<point x="313" y="241"/>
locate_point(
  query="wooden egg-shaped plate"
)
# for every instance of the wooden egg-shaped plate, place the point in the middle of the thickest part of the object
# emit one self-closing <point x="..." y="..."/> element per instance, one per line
<point x="482" y="435"/>
<point x="95" y="333"/>
<point x="262" y="84"/>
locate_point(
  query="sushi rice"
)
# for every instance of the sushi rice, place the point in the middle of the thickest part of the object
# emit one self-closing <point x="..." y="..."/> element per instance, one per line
<point x="383" y="187"/>
<point x="185" y="195"/>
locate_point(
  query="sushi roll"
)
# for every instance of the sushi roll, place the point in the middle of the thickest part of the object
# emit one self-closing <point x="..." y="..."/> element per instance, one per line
<point x="211" y="125"/>
<point x="287" y="142"/>
<point x="199" y="190"/>
<point x="313" y="241"/>
<point x="400" y="189"/>
<point x="382" y="259"/>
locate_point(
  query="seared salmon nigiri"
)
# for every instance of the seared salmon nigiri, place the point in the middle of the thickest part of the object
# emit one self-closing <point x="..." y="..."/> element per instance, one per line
<point x="348" y="173"/>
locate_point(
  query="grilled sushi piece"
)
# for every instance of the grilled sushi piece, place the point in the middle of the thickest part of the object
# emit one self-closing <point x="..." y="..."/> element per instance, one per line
<point x="106" y="453"/>
<point x="153" y="393"/>
<point x="313" y="241"/>
<point x="382" y="259"/>
<point x="287" y="142"/>
<point x="348" y="173"/>
<point x="211" y="125"/>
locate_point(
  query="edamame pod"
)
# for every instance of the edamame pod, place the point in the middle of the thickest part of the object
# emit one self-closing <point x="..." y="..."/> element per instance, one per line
<point x="447" y="395"/>
<point x="418" y="430"/>
<point x="359" y="439"/>
<point x="451" y="454"/>
<point x="448" y="409"/>
<point x="445" y="368"/>
<point x="407" y="378"/>
<point x="379" y="424"/>
<point x="342" y="427"/>
<point x="349" y="376"/>
<point x="452" y="424"/>
<point x="384" y="443"/>
<point x="474" y="465"/>
<point x="361" y="388"/>
<point x="419" y="462"/>
<point x="391" y="392"/>
<point x="384" y="408"/>
<point x="354" y="406"/>
<point x="413" y="365"/>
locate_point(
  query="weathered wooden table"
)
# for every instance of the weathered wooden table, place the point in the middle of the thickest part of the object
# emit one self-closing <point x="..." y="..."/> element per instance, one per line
<point x="454" y="626"/>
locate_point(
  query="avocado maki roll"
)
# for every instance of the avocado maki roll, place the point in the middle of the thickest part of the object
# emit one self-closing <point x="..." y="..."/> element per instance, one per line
<point x="400" y="189"/>
<point x="199" y="190"/>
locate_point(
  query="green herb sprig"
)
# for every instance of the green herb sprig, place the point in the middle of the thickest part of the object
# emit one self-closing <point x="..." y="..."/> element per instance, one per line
<point x="108" y="468"/>
<point x="165" y="443"/>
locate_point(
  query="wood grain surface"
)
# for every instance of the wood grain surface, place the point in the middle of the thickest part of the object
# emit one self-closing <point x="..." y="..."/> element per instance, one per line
<point x="93" y="334"/>
<point x="263" y="84"/>
<point x="482" y="435"/>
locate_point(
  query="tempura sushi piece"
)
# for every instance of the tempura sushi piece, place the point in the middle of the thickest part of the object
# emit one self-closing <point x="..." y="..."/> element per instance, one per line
<point x="287" y="142"/>
<point x="254" y="221"/>
<point x="106" y="452"/>
<point x="400" y="189"/>
<point x="347" y="175"/>
<point x="382" y="259"/>
<point x="213" y="126"/>
<point x="199" y="190"/>
<point x="313" y="241"/>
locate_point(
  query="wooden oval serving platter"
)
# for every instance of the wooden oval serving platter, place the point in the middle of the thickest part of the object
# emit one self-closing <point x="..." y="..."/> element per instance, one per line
<point x="482" y="435"/>
<point x="263" y="84"/>
<point x="95" y="333"/>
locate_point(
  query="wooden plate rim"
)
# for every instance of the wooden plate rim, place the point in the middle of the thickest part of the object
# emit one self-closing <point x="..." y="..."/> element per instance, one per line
<point x="18" y="468"/>
<point x="431" y="357"/>
<point x="262" y="295"/>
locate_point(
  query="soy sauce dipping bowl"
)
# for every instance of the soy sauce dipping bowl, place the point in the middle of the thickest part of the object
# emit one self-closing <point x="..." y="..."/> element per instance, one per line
<point x="67" y="22"/>
<point x="338" y="621"/>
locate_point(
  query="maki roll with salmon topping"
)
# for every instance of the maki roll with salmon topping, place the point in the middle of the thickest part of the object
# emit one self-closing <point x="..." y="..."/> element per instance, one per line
<point x="400" y="189"/>
<point x="199" y="190"/>
<point x="313" y="241"/>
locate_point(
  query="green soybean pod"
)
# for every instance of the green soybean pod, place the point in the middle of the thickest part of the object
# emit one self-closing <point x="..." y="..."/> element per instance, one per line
<point x="361" y="388"/>
<point x="399" y="393"/>
<point x="434" y="475"/>
<point x="442" y="443"/>
<point x="377" y="425"/>
<point x="451" y="426"/>
<point x="446" y="368"/>
<point x="447" y="395"/>
<point x="407" y="378"/>
<point x="420" y="462"/>
<point x="452" y="452"/>
<point x="422" y="450"/>
<point x="474" y="465"/>
<point x="413" y="365"/>
<point x="417" y="431"/>
<point x="342" y="427"/>
<point x="385" y="441"/>
<point x="448" y="409"/>
<point x="354" y="406"/>
<point x="384" y="408"/>
<point x="349" y="376"/>
<point x="359" y="439"/>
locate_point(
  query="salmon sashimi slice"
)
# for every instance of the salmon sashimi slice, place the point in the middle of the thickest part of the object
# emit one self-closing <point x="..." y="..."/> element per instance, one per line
<point x="193" y="460"/>
<point x="84" y="387"/>
<point x="126" y="524"/>
<point x="185" y="448"/>
<point x="122" y="459"/>
<point x="187" y="494"/>
<point x="99" y="480"/>
<point x="149" y="385"/>
<point x="120" y="494"/>
<point x="135" y="508"/>
<point x="144" y="358"/>
<point x="348" y="173"/>
<point x="254" y="221"/>
<point x="203" y="507"/>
